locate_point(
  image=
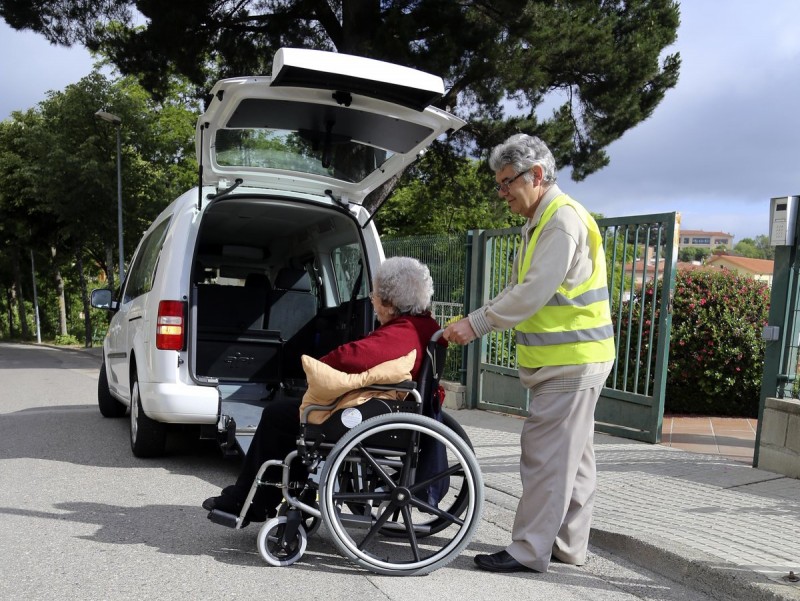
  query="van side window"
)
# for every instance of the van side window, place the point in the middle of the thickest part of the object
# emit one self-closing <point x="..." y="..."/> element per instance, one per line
<point x="347" y="263"/>
<point x="141" y="274"/>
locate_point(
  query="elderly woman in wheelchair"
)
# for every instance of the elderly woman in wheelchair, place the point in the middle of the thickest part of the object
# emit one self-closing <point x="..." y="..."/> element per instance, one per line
<point x="368" y="452"/>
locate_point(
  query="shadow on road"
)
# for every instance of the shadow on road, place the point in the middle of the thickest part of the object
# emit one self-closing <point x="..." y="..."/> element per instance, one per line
<point x="78" y="434"/>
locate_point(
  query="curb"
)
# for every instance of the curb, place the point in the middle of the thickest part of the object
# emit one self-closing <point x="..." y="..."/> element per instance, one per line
<point x="696" y="570"/>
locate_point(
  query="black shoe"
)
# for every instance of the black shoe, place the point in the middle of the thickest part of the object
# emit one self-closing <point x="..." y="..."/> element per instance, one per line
<point x="230" y="504"/>
<point x="500" y="562"/>
<point x="223" y="503"/>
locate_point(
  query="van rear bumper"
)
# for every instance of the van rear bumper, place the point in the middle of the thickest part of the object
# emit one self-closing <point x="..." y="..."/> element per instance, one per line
<point x="180" y="404"/>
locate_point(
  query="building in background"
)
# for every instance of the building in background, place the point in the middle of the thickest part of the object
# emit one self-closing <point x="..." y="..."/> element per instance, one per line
<point x="703" y="239"/>
<point x="758" y="269"/>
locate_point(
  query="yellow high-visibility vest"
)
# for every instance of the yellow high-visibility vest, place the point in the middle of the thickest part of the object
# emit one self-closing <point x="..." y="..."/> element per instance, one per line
<point x="574" y="327"/>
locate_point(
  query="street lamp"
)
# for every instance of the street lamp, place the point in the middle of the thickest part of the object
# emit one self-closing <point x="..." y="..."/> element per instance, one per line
<point x="117" y="122"/>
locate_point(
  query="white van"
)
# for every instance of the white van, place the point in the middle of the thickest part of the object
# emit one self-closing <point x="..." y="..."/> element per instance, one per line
<point x="272" y="256"/>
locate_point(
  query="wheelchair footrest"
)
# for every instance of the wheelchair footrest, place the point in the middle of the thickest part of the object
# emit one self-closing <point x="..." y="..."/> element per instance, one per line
<point x="223" y="518"/>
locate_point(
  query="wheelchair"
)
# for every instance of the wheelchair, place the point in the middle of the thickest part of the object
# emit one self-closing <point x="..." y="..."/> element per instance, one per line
<point x="395" y="483"/>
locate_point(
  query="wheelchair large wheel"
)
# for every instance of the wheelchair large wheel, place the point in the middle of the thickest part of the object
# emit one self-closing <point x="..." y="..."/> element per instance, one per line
<point x="453" y="502"/>
<point x="271" y="546"/>
<point x="368" y="488"/>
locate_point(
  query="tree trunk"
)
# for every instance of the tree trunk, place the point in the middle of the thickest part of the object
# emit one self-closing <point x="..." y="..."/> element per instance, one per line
<point x="18" y="295"/>
<point x="10" y="310"/>
<point x="87" y="314"/>
<point x="62" y="303"/>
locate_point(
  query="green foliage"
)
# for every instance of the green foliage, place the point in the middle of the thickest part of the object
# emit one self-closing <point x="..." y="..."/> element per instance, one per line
<point x="759" y="248"/>
<point x="454" y="194"/>
<point x="66" y="340"/>
<point x="687" y="254"/>
<point x="716" y="355"/>
<point x="58" y="191"/>
<point x="602" y="62"/>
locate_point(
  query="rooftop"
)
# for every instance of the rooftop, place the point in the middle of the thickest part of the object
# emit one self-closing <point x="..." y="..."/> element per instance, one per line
<point x="760" y="266"/>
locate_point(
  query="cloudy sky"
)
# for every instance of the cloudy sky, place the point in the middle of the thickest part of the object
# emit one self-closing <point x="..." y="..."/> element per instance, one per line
<point x="719" y="146"/>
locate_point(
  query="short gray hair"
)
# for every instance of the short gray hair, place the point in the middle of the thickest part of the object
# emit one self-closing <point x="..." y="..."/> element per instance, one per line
<point x="405" y="283"/>
<point x="522" y="152"/>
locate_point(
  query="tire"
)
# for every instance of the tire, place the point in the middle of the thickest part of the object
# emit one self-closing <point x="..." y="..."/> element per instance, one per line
<point x="148" y="437"/>
<point x="386" y="488"/>
<point x="109" y="406"/>
<point x="449" y="421"/>
<point x="269" y="543"/>
<point x="456" y="499"/>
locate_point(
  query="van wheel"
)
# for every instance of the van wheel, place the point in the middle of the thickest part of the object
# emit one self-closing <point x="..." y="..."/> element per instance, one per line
<point x="148" y="437"/>
<point x="109" y="406"/>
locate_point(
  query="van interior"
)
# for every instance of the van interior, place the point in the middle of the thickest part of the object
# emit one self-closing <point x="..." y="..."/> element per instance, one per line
<point x="272" y="280"/>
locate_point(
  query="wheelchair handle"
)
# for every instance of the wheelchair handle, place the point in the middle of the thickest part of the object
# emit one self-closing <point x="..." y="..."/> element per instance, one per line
<point x="437" y="334"/>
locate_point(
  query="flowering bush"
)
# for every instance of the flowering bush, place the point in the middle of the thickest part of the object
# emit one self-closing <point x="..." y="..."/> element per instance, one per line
<point x="716" y="354"/>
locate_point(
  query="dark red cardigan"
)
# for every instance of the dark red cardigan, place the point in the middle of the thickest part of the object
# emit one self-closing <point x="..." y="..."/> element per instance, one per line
<point x="390" y="341"/>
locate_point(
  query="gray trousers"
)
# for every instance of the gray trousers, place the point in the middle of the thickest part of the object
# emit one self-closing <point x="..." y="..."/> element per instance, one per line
<point x="558" y="473"/>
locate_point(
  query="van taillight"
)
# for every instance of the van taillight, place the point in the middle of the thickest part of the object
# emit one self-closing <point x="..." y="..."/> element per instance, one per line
<point x="171" y="325"/>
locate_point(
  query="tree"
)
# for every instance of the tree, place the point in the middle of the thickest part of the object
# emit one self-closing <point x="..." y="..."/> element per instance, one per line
<point x="18" y="198"/>
<point x="58" y="182"/>
<point x="503" y="61"/>
<point x="688" y="254"/>
<point x="454" y="194"/>
<point x="767" y="250"/>
<point x="759" y="248"/>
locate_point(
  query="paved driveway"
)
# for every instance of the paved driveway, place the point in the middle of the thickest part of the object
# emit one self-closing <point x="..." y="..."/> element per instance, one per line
<point x="81" y="518"/>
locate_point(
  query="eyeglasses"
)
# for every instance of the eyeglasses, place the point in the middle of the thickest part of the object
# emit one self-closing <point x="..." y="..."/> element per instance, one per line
<point x="506" y="183"/>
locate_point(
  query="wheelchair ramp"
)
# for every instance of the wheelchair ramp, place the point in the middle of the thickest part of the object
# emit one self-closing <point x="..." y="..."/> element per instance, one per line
<point x="243" y="403"/>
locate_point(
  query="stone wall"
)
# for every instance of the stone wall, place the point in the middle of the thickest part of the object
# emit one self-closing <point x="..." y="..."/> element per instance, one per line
<point x="779" y="447"/>
<point x="455" y="395"/>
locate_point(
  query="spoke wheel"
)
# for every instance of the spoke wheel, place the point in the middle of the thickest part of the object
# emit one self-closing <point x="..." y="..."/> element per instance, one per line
<point x="454" y="501"/>
<point x="368" y="487"/>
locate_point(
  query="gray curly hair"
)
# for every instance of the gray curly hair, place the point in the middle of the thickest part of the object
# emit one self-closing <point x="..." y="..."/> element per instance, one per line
<point x="405" y="283"/>
<point x="522" y="152"/>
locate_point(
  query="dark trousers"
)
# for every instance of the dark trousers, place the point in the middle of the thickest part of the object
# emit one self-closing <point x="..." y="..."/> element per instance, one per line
<point x="275" y="437"/>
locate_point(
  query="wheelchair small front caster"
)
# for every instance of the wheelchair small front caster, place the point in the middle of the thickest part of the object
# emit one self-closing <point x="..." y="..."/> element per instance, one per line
<point x="274" y="549"/>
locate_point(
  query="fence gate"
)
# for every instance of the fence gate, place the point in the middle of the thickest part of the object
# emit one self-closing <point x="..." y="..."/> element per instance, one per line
<point x="641" y="254"/>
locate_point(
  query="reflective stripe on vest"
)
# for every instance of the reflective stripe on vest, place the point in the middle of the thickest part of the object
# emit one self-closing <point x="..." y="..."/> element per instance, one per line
<point x="574" y="327"/>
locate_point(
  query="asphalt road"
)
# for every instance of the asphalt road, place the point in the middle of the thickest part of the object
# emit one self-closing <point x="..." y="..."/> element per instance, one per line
<point x="81" y="518"/>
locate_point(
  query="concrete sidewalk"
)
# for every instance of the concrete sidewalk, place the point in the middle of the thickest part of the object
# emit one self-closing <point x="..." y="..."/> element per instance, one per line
<point x="713" y="524"/>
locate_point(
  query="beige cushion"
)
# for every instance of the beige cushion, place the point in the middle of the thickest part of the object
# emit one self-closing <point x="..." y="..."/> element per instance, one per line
<point x="329" y="386"/>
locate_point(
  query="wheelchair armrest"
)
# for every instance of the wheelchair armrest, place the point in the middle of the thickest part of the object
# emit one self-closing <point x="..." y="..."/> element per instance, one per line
<point x="312" y="408"/>
<point x="401" y="386"/>
<point x="409" y="386"/>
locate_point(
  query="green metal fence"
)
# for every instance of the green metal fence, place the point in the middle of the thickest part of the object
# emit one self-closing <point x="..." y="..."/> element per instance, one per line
<point x="641" y="254"/>
<point x="641" y="257"/>
<point x="446" y="257"/>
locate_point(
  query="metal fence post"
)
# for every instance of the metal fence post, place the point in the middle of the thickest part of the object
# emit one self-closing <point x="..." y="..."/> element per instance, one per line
<point x="473" y="299"/>
<point x="779" y="312"/>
